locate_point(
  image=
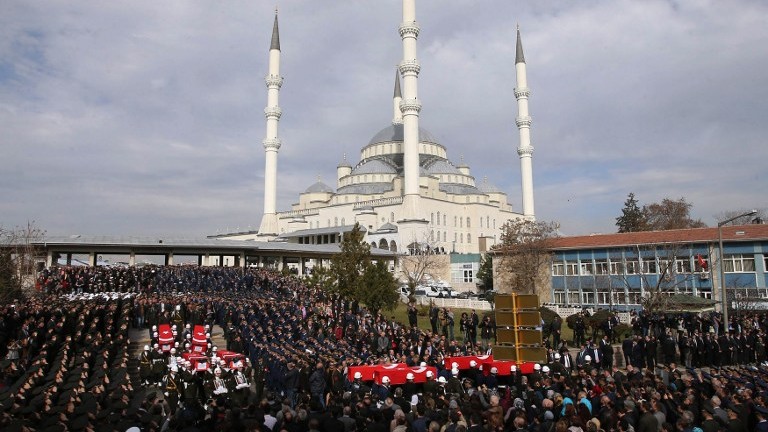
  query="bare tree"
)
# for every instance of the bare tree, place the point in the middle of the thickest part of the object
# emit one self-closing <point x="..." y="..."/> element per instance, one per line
<point x="17" y="259"/>
<point x="761" y="216"/>
<point x="422" y="259"/>
<point x="525" y="253"/>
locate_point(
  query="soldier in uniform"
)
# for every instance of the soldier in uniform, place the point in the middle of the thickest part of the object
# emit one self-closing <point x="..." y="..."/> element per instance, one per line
<point x="158" y="364"/>
<point x="191" y="390"/>
<point x="241" y="388"/>
<point x="172" y="388"/>
<point x="145" y="365"/>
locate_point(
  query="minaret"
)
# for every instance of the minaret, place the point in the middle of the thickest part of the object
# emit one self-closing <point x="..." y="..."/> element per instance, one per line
<point x="410" y="108"/>
<point x="523" y="120"/>
<point x="397" y="118"/>
<point x="272" y="112"/>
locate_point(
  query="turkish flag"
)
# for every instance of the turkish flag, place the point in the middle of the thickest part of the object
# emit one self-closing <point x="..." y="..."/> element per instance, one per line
<point x="702" y="263"/>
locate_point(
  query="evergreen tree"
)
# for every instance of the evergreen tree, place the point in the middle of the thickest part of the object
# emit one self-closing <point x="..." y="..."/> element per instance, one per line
<point x="379" y="288"/>
<point x="485" y="273"/>
<point x="349" y="266"/>
<point x="632" y="218"/>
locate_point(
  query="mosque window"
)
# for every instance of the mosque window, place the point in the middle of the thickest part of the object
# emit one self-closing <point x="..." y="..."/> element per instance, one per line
<point x="336" y="221"/>
<point x="481" y="222"/>
<point x="392" y="217"/>
<point x="342" y="221"/>
<point x="455" y="221"/>
<point x="461" y="238"/>
<point x="487" y="220"/>
<point x="445" y="236"/>
<point x="468" y="239"/>
<point x="432" y="235"/>
<point x="468" y="225"/>
<point x="455" y="237"/>
<point x="329" y="223"/>
<point x="438" y="218"/>
<point x="445" y="220"/>
<point x="494" y="224"/>
<point x="438" y="236"/>
<point x="432" y="218"/>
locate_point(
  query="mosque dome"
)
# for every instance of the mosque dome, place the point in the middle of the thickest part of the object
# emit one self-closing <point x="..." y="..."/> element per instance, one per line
<point x="374" y="166"/>
<point x="395" y="133"/>
<point x="442" y="166"/>
<point x="319" y="187"/>
<point x="486" y="187"/>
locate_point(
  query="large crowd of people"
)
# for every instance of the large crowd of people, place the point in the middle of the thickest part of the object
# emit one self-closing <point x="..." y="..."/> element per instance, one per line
<point x="67" y="363"/>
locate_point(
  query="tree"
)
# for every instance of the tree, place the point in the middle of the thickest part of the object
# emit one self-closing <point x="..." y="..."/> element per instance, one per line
<point x="349" y="266"/>
<point x="632" y="218"/>
<point x="485" y="273"/>
<point x="670" y="214"/>
<point x="17" y="260"/>
<point x="379" y="288"/>
<point x="422" y="260"/>
<point x="761" y="216"/>
<point x="320" y="277"/>
<point x="524" y="253"/>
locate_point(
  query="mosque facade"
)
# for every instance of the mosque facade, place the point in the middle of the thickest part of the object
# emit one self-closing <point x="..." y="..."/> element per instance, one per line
<point x="403" y="190"/>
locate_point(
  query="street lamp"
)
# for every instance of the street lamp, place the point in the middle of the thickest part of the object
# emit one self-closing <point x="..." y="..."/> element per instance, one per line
<point x="723" y="298"/>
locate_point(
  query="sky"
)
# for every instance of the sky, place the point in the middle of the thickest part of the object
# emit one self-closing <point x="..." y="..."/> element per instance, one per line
<point x="146" y="117"/>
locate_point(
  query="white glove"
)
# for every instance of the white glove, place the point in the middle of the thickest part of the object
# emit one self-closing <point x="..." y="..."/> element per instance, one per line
<point x="166" y="394"/>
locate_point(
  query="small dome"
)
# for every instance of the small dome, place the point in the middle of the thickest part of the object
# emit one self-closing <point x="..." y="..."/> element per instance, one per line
<point x="344" y="163"/>
<point x="395" y="133"/>
<point x="486" y="187"/>
<point x="319" y="187"/>
<point x="374" y="166"/>
<point x="442" y="166"/>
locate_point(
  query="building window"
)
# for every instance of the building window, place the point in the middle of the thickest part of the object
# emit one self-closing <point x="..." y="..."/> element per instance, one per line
<point x="468" y="224"/>
<point x="649" y="266"/>
<point x="588" y="297"/>
<point x="739" y="263"/>
<point x="461" y="238"/>
<point x="634" y="298"/>
<point x="455" y="221"/>
<point x="445" y="219"/>
<point x="586" y="268"/>
<point x="559" y="297"/>
<point x="392" y="217"/>
<point x="481" y="221"/>
<point x="432" y="218"/>
<point x="631" y="267"/>
<point x="468" y="239"/>
<point x="438" y="236"/>
<point x="573" y="298"/>
<point x="342" y="221"/>
<point x="571" y="268"/>
<point x="617" y="268"/>
<point x="601" y="267"/>
<point x="683" y="265"/>
<point x="603" y="297"/>
<point x="438" y="218"/>
<point x="336" y="221"/>
<point x="765" y="263"/>
<point x="455" y="237"/>
<point x="558" y="269"/>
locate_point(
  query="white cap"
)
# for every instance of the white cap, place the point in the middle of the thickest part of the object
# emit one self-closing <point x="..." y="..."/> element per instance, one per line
<point x="414" y="400"/>
<point x="178" y="307"/>
<point x="188" y="326"/>
<point x="215" y="348"/>
<point x="409" y="376"/>
<point x="173" y="327"/>
<point x="545" y="369"/>
<point x="430" y="374"/>
<point x="587" y="358"/>
<point x="494" y="370"/>
<point x="537" y="366"/>
<point x="358" y="375"/>
<point x="385" y="379"/>
<point x="472" y="363"/>
<point x="174" y="368"/>
<point x="441" y="380"/>
<point x="513" y="368"/>
<point x="154" y="327"/>
<point x="454" y="371"/>
<point x="557" y="356"/>
<point x="173" y="350"/>
<point x="454" y="365"/>
<point x="157" y="345"/>
<point x="423" y="364"/>
<point x="146" y="347"/>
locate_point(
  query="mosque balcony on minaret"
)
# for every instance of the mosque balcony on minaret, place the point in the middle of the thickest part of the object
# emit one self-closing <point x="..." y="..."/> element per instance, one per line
<point x="273" y="112"/>
<point x="273" y="81"/>
<point x="522" y="93"/>
<point x="525" y="151"/>
<point x="410" y="67"/>
<point x="272" y="144"/>
<point x="409" y="29"/>
<point x="524" y="121"/>
<point x="410" y="106"/>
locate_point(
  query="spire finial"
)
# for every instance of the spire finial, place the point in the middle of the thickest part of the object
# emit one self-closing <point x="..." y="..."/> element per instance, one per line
<point x="398" y="93"/>
<point x="519" y="57"/>
<point x="275" y="45"/>
<point x="318" y="177"/>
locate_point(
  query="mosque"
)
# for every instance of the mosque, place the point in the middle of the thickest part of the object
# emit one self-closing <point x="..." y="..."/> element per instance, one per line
<point x="404" y="190"/>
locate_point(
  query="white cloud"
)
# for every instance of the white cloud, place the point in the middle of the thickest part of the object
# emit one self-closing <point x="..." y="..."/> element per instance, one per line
<point x="147" y="117"/>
